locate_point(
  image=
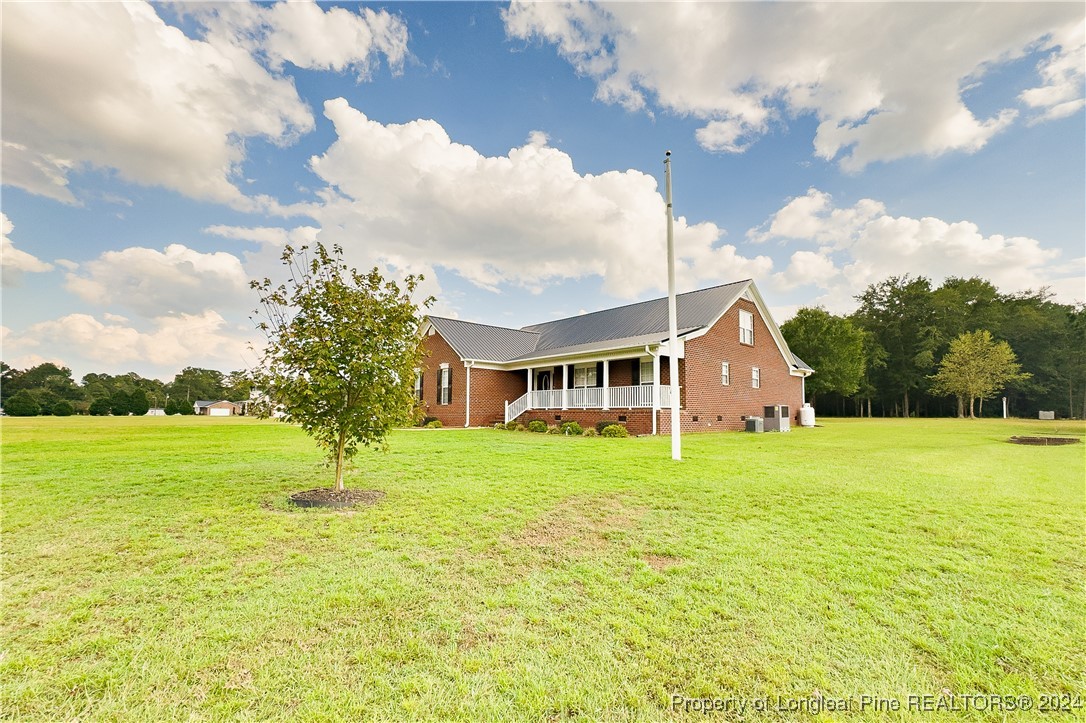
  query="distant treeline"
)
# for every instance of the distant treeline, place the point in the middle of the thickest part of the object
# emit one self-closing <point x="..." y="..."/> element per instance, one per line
<point x="878" y="361"/>
<point x="881" y="359"/>
<point x="49" y="389"/>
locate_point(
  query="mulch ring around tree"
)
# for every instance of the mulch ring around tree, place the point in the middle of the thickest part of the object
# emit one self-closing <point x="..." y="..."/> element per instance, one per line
<point x="327" y="497"/>
<point x="1044" y="441"/>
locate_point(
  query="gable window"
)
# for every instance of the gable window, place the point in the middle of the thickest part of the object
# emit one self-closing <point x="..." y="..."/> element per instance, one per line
<point x="746" y="327"/>
<point x="418" y="386"/>
<point x="444" y="385"/>
<point x="755" y="378"/>
<point x="584" y="376"/>
<point x="725" y="374"/>
<point x="646" y="372"/>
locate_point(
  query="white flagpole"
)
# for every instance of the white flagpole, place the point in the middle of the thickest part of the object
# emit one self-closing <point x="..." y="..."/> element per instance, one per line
<point x="672" y="320"/>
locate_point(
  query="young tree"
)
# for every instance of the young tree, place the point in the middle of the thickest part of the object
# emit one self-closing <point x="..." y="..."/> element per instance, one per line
<point x="976" y="367"/>
<point x="833" y="346"/>
<point x="342" y="351"/>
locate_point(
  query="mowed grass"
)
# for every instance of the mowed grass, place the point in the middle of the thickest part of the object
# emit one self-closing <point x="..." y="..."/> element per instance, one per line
<point x="153" y="571"/>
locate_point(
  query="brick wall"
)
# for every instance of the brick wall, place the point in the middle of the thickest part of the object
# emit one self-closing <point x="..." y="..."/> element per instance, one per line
<point x="715" y="406"/>
<point x="490" y="388"/>
<point x="722" y="407"/>
<point x="637" y="421"/>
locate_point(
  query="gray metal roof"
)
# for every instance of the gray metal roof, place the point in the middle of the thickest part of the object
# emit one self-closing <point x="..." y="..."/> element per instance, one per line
<point x="695" y="310"/>
<point x="800" y="364"/>
<point x="484" y="342"/>
<point x="622" y="327"/>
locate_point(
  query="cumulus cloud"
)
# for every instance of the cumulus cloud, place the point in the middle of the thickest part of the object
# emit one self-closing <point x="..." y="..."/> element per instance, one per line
<point x="1063" y="73"/>
<point x="884" y="80"/>
<point x="86" y="342"/>
<point x="407" y="192"/>
<point x="175" y="281"/>
<point x="863" y="244"/>
<point x="303" y="34"/>
<point x="13" y="262"/>
<point x="166" y="109"/>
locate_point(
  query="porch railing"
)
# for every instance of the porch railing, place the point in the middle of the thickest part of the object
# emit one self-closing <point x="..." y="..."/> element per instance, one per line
<point x="634" y="397"/>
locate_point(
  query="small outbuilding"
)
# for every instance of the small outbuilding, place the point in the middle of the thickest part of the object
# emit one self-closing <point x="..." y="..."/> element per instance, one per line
<point x="221" y="408"/>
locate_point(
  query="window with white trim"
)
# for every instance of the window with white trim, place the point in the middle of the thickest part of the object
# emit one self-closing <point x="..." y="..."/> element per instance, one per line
<point x="746" y="327"/>
<point x="418" y="385"/>
<point x="755" y="378"/>
<point x="444" y="385"/>
<point x="584" y="375"/>
<point x="725" y="374"/>
<point x="646" y="372"/>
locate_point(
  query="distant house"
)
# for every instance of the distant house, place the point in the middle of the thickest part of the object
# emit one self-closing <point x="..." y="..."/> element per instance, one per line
<point x="221" y="408"/>
<point x="616" y="365"/>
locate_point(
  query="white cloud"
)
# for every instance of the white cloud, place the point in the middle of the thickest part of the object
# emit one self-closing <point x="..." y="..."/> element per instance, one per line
<point x="400" y="193"/>
<point x="112" y="86"/>
<point x="13" y="262"/>
<point x="303" y="34"/>
<point x="885" y="80"/>
<point x="87" y="343"/>
<point x="862" y="245"/>
<point x="270" y="235"/>
<point x="177" y="280"/>
<point x="1063" y="73"/>
<point x="807" y="267"/>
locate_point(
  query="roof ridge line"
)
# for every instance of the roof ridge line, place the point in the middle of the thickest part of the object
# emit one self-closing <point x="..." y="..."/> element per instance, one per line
<point x="479" y="323"/>
<point x="633" y="303"/>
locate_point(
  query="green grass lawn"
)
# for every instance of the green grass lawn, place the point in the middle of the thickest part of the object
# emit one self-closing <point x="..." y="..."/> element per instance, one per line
<point x="153" y="571"/>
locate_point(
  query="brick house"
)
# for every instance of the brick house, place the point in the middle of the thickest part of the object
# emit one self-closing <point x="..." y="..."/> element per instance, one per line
<point x="213" y="408"/>
<point x="615" y="364"/>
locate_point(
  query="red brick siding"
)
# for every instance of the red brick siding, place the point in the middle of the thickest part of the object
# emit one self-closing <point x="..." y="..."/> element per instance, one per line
<point x="638" y="421"/>
<point x="490" y="388"/>
<point x="699" y="374"/>
<point x="703" y="396"/>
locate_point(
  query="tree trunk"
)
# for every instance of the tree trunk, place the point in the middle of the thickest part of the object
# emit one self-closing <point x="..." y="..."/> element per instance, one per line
<point x="340" y="446"/>
<point x="980" y="412"/>
<point x="813" y="395"/>
<point x="971" y="400"/>
<point x="961" y="407"/>
<point x="906" y="406"/>
<point x="869" y="407"/>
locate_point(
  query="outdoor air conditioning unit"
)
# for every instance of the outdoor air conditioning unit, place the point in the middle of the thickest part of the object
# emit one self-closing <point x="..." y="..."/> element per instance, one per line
<point x="777" y="418"/>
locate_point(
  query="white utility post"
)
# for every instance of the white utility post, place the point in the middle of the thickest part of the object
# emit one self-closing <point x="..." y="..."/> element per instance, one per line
<point x="672" y="320"/>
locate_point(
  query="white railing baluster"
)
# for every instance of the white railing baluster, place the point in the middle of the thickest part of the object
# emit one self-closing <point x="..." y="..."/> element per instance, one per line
<point x="633" y="397"/>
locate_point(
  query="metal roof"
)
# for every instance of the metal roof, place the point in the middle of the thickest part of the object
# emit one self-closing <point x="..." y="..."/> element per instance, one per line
<point x="695" y="310"/>
<point x="484" y="342"/>
<point x="800" y="364"/>
<point x="622" y="327"/>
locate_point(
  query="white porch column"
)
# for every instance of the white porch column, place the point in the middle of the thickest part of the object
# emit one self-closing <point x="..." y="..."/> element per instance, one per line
<point x="531" y="386"/>
<point x="565" y="385"/>
<point x="655" y="389"/>
<point x="606" y="384"/>
<point x="467" y="396"/>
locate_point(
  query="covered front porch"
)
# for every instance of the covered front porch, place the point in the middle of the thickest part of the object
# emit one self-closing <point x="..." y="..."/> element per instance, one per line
<point x="606" y="384"/>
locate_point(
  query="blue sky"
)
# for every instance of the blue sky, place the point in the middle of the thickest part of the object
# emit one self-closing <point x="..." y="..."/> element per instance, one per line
<point x="157" y="157"/>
